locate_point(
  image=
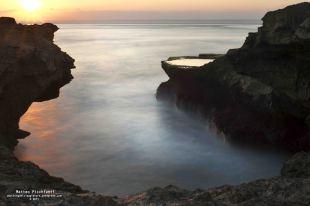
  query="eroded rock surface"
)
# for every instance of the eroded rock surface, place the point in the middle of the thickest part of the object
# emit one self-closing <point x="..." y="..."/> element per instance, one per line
<point x="259" y="92"/>
<point x="32" y="68"/>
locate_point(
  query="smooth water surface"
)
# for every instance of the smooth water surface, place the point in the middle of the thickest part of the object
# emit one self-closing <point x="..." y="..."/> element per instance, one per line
<point x="190" y="62"/>
<point x="107" y="133"/>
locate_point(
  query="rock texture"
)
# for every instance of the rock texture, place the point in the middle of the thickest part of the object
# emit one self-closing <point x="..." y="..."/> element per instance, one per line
<point x="261" y="91"/>
<point x="32" y="68"/>
<point x="291" y="188"/>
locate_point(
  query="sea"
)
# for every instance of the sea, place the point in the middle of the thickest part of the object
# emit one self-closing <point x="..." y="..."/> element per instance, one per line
<point x="108" y="133"/>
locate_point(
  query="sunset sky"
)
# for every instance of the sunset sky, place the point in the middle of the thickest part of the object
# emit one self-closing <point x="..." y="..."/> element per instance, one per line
<point x="102" y="10"/>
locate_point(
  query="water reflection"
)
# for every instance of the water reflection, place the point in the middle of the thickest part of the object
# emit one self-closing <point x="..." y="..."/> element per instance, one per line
<point x="107" y="133"/>
<point x="44" y="121"/>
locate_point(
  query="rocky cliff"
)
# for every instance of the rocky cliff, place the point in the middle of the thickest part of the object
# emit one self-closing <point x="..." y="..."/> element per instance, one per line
<point x="32" y="68"/>
<point x="261" y="91"/>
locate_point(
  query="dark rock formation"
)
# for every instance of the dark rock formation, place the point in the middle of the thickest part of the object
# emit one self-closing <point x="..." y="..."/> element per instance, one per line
<point x="260" y="92"/>
<point x="297" y="167"/>
<point x="26" y="176"/>
<point x="291" y="188"/>
<point x="32" y="68"/>
<point x="178" y="71"/>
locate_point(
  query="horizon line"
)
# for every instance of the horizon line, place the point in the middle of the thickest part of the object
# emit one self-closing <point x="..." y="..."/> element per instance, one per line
<point x="161" y="21"/>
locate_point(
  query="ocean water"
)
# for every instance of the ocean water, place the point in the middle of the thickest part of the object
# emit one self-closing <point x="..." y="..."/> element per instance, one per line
<point x="190" y="62"/>
<point x="109" y="134"/>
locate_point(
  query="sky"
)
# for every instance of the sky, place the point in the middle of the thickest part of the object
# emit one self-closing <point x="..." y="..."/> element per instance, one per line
<point x="62" y="11"/>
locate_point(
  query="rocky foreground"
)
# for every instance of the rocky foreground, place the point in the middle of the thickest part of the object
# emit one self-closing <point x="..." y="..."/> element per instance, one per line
<point x="259" y="92"/>
<point x="291" y="188"/>
<point x="33" y="68"/>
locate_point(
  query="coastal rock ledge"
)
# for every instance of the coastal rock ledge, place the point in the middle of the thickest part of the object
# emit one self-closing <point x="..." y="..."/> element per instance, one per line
<point x="32" y="68"/>
<point x="260" y="92"/>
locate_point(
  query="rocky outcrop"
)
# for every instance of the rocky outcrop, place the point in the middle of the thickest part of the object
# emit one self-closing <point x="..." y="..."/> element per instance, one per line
<point x="261" y="91"/>
<point x="283" y="27"/>
<point x="291" y="188"/>
<point x="26" y="176"/>
<point x="176" y="71"/>
<point x="32" y="68"/>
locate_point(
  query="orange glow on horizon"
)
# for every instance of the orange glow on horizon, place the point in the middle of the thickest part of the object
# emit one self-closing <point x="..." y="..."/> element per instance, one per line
<point x="59" y="10"/>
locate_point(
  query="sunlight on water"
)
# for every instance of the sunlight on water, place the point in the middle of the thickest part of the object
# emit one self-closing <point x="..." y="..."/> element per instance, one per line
<point x="107" y="133"/>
